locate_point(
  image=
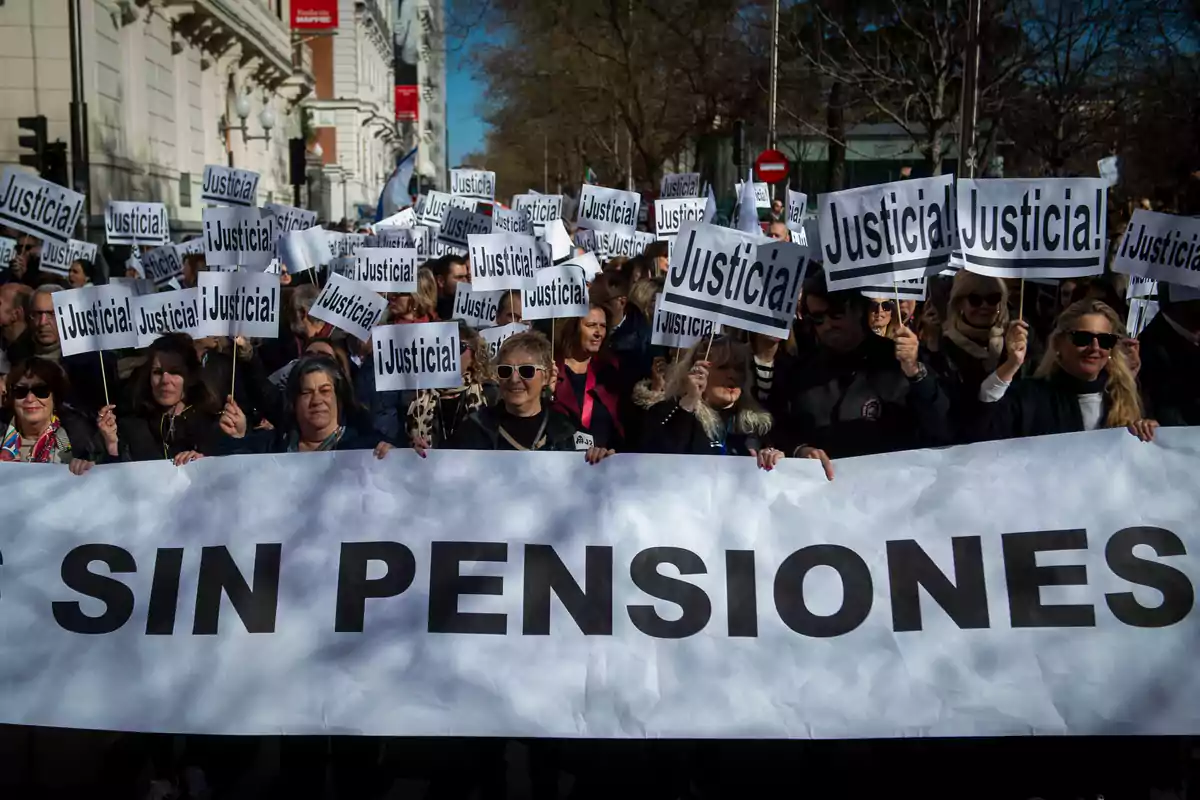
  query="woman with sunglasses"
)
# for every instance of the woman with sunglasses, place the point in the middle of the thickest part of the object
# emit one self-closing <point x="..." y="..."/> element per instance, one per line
<point x="38" y="427"/>
<point x="420" y="306"/>
<point x="1083" y="383"/>
<point x="523" y="419"/>
<point x="882" y="318"/>
<point x="710" y="407"/>
<point x="435" y="415"/>
<point x="175" y="413"/>
<point x="590" y="385"/>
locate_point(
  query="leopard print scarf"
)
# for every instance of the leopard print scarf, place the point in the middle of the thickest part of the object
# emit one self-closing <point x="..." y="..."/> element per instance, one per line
<point x="422" y="417"/>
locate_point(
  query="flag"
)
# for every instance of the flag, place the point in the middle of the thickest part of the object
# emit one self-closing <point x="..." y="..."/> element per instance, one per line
<point x="747" y="212"/>
<point x="395" y="193"/>
<point x="589" y="176"/>
<point x="710" y="207"/>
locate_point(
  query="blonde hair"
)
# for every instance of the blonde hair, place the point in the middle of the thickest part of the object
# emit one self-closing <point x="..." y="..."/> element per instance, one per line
<point x="482" y="369"/>
<point x="1124" y="402"/>
<point x="749" y="416"/>
<point x="643" y="293"/>
<point x="893" y="324"/>
<point x="534" y="344"/>
<point x="426" y="294"/>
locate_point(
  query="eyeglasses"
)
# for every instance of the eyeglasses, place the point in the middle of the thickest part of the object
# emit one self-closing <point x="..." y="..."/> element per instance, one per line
<point x="823" y="317"/>
<point x="464" y="347"/>
<point x="525" y="372"/>
<point x="22" y="390"/>
<point x="1107" y="341"/>
<point x="977" y="300"/>
<point x="886" y="305"/>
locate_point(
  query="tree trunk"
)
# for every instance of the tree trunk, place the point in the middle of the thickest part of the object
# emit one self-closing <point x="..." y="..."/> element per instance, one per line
<point x="835" y="128"/>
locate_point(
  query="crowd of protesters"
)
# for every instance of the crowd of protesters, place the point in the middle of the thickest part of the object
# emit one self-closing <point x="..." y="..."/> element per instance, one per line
<point x="857" y="376"/>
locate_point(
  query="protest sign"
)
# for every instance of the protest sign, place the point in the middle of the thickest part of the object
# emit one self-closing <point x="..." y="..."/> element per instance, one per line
<point x="559" y="241"/>
<point x="1052" y="614"/>
<point x="422" y="355"/>
<point x="435" y="208"/>
<point x="494" y="337"/>
<point x="438" y="248"/>
<point x="227" y="186"/>
<point x="346" y="267"/>
<point x="350" y="306"/>
<point x="238" y="237"/>
<point x="387" y="269"/>
<point x="677" y="330"/>
<point x="1033" y="227"/>
<point x="192" y="247"/>
<point x="303" y="250"/>
<point x="506" y="221"/>
<point x="733" y="278"/>
<point x="1141" y="312"/>
<point x="239" y="304"/>
<point x="502" y="261"/>
<point x="391" y="238"/>
<point x="460" y="225"/>
<point x="912" y="289"/>
<point x="681" y="184"/>
<point x="404" y="218"/>
<point x="1110" y="170"/>
<point x="1164" y="247"/>
<point x="94" y="318"/>
<point x="137" y="286"/>
<point x="474" y="183"/>
<point x="621" y="245"/>
<point x="290" y="218"/>
<point x="8" y="251"/>
<point x="891" y="231"/>
<point x="1141" y="287"/>
<point x="136" y="223"/>
<point x="608" y="210"/>
<point x="589" y="241"/>
<point x="797" y="206"/>
<point x="669" y="215"/>
<point x="166" y="312"/>
<point x="586" y="262"/>
<point x="477" y="309"/>
<point x="37" y="207"/>
<point x="541" y="208"/>
<point x="345" y="245"/>
<point x="162" y="264"/>
<point x="560" y="292"/>
<point x="762" y="195"/>
<point x="57" y="258"/>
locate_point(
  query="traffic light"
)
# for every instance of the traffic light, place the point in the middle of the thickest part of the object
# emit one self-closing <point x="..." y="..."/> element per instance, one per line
<point x="54" y="168"/>
<point x="36" y="142"/>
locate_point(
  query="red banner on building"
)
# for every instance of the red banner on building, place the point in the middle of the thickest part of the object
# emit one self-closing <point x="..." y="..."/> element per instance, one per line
<point x="407" y="103"/>
<point x="310" y="15"/>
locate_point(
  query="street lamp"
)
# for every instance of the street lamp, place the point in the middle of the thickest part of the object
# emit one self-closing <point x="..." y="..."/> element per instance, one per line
<point x="266" y="118"/>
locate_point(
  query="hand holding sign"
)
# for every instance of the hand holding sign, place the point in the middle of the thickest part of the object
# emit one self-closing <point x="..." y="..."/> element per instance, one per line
<point x="908" y="348"/>
<point x="233" y="420"/>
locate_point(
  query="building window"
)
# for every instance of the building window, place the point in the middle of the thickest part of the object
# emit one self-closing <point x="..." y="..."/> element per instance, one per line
<point x="185" y="190"/>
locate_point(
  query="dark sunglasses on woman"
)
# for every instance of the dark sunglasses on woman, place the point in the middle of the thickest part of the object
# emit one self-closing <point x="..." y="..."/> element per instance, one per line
<point x="1107" y="341"/>
<point x="977" y="300"/>
<point x="825" y="316"/>
<point x="525" y="372"/>
<point x="885" y="305"/>
<point x="40" y="391"/>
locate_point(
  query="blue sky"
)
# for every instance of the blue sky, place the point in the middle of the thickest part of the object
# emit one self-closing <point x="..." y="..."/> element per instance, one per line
<point x="463" y="92"/>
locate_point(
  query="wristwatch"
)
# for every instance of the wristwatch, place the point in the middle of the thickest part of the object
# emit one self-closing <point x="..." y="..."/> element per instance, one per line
<point x="922" y="371"/>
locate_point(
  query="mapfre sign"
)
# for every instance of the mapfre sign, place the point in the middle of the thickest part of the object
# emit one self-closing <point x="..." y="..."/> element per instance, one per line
<point x="310" y="15"/>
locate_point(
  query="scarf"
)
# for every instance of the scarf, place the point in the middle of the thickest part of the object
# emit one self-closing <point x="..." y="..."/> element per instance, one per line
<point x="989" y="355"/>
<point x="424" y="414"/>
<point x="330" y="442"/>
<point x="52" y="442"/>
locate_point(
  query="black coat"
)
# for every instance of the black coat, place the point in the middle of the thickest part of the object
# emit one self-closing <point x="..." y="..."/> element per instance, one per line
<point x="1036" y="407"/>
<point x="672" y="429"/>
<point x="276" y="441"/>
<point x="1170" y="375"/>
<point x="860" y="403"/>
<point x="961" y="374"/>
<point x="630" y="343"/>
<point x="153" y="437"/>
<point x="481" y="431"/>
<point x="251" y="384"/>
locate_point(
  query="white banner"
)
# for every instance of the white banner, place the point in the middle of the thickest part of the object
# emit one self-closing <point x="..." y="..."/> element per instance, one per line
<point x="460" y="225"/>
<point x="239" y="304"/>
<point x="608" y="210"/>
<point x="502" y="261"/>
<point x="350" y="306"/>
<point x="290" y="218"/>
<point x="301" y="251"/>
<point x="477" y="309"/>
<point x="1164" y="247"/>
<point x="906" y="290"/>
<point x="162" y="264"/>
<point x="229" y="187"/>
<point x="435" y="207"/>
<point x="238" y="237"/>
<point x="677" y="330"/>
<point x="166" y="312"/>
<point x="797" y="206"/>
<point x="542" y="208"/>
<point x="680" y="184"/>
<point x="1032" y="227"/>
<point x="422" y="355"/>
<point x="560" y="292"/>
<point x="669" y="215"/>
<point x="892" y="231"/>
<point x="507" y="221"/>
<point x="734" y="278"/>
<point x="494" y="337"/>
<point x="94" y="318"/>
<point x="136" y="223"/>
<point x="718" y="601"/>
<point x="391" y="269"/>
<point x="474" y="183"/>
<point x="37" y="207"/>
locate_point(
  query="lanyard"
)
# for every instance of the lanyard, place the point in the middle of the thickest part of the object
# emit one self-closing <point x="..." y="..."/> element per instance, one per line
<point x="539" y="441"/>
<point x="587" y="402"/>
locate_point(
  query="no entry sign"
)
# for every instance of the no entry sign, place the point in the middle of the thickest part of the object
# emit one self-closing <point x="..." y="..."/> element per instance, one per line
<point x="771" y="166"/>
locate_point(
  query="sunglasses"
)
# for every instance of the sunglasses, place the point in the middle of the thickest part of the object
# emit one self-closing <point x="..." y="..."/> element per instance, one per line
<point x="821" y="319"/>
<point x="464" y="347"/>
<point x="525" y="372"/>
<point x="886" y="305"/>
<point x="977" y="300"/>
<point x="39" y="390"/>
<point x="1107" y="341"/>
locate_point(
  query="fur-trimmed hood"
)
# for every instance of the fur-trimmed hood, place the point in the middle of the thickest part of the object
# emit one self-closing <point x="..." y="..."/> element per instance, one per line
<point x="644" y="396"/>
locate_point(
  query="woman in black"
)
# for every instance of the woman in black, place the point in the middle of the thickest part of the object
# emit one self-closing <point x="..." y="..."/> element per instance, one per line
<point x="174" y="412"/>
<point x="590" y="387"/>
